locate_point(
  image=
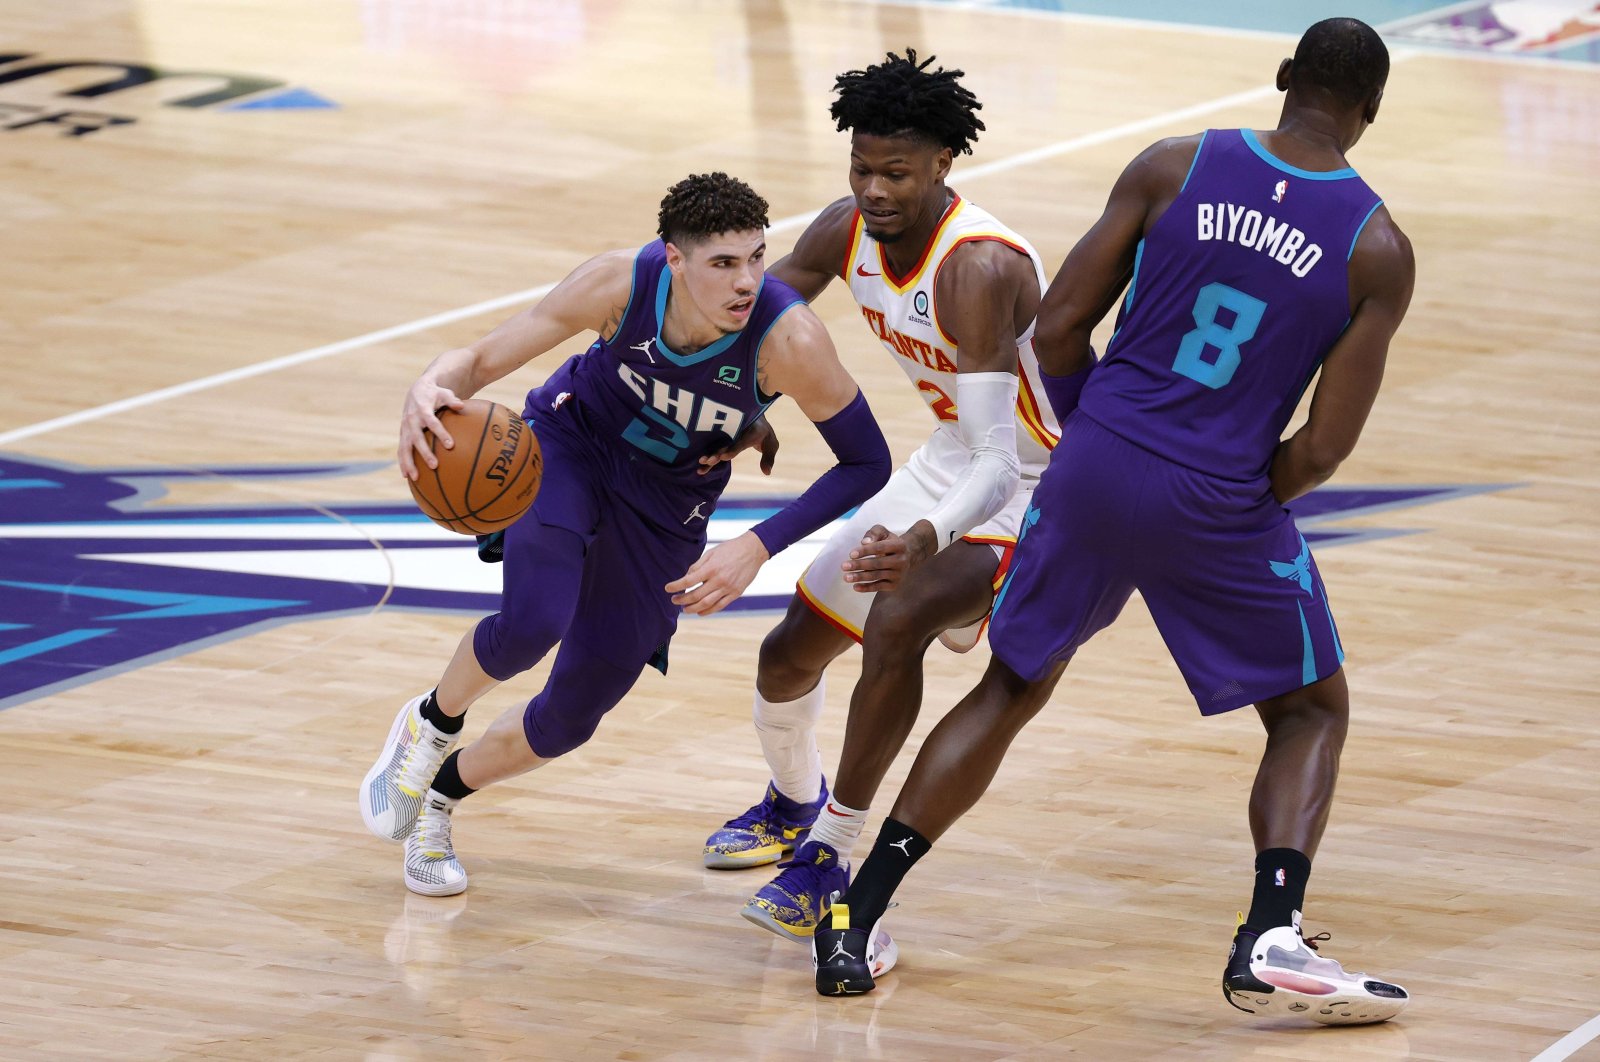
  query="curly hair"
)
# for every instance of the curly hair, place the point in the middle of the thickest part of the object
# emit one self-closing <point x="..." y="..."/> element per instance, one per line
<point x="1343" y="57"/>
<point x="704" y="204"/>
<point x="901" y="96"/>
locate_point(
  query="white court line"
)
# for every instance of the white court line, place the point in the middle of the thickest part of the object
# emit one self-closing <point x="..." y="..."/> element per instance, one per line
<point x="794" y="221"/>
<point x="422" y="324"/>
<point x="1568" y="1045"/>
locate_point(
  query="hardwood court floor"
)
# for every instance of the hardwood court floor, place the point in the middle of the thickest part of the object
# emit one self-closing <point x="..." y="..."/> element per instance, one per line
<point x="183" y="872"/>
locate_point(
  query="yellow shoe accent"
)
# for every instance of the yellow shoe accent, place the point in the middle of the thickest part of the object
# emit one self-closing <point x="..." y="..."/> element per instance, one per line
<point x="841" y="916"/>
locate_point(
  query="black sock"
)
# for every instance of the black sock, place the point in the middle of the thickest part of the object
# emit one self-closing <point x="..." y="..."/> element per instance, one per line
<point x="444" y="724"/>
<point x="448" y="783"/>
<point x="1281" y="875"/>
<point x="896" y="850"/>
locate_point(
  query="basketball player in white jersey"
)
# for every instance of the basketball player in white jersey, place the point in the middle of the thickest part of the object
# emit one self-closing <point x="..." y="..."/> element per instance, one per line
<point x="951" y="294"/>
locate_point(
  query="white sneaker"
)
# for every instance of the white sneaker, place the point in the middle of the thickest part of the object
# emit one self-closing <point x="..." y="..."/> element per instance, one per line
<point x="883" y="952"/>
<point x="1280" y="973"/>
<point x="431" y="866"/>
<point x="391" y="793"/>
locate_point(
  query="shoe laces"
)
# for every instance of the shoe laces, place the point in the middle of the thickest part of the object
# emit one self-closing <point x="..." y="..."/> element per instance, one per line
<point x="759" y="815"/>
<point x="433" y="831"/>
<point x="802" y="860"/>
<point x="1320" y="938"/>
<point x="421" y="761"/>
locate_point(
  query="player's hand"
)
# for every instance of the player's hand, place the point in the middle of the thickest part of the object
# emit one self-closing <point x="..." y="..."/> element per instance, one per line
<point x="419" y="415"/>
<point x="756" y="434"/>
<point x="883" y="559"/>
<point x="718" y="578"/>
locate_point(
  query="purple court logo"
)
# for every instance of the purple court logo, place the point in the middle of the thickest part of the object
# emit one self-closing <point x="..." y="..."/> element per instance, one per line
<point x="1566" y="29"/>
<point x="45" y="88"/>
<point x="96" y="579"/>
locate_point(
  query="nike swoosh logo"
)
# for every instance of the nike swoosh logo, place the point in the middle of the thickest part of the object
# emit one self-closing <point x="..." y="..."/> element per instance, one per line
<point x="861" y="271"/>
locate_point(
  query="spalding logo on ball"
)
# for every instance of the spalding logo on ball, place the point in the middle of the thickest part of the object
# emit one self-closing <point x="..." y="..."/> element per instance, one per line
<point x="489" y="478"/>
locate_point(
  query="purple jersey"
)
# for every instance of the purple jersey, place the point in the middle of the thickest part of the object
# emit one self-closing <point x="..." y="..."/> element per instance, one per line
<point x="649" y="401"/>
<point x="1239" y="291"/>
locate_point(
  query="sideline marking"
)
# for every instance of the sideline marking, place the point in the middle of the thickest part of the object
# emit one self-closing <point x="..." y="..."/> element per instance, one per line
<point x="1569" y="1044"/>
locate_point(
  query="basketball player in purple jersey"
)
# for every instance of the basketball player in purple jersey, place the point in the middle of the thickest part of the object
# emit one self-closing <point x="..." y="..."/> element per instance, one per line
<point x="1171" y="479"/>
<point x="952" y="294"/>
<point x="694" y="344"/>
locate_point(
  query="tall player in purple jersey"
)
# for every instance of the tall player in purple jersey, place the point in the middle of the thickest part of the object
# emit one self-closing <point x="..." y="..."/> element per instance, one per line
<point x="693" y="344"/>
<point x="1249" y="260"/>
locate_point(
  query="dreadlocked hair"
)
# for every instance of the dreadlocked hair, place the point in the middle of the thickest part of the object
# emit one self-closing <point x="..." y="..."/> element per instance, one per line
<point x="704" y="204"/>
<point x="901" y="96"/>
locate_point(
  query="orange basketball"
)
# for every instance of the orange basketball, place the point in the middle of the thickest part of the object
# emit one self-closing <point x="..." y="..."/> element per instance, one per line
<point x="488" y="479"/>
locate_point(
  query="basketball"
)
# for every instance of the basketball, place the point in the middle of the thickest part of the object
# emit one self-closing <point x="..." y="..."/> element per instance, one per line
<point x="488" y="479"/>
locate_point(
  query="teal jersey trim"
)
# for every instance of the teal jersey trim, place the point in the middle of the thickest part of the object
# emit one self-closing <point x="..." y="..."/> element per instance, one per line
<point x="1359" y="229"/>
<point x="663" y="286"/>
<point x="633" y="289"/>
<point x="1194" y="161"/>
<point x="1275" y="162"/>
<point x="765" y="399"/>
<point x="1133" y="281"/>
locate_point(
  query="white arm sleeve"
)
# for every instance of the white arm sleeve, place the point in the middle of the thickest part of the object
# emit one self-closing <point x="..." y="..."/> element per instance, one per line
<point x="986" y="404"/>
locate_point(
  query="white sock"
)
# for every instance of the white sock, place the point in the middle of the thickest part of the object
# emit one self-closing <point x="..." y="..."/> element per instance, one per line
<point x="838" y="827"/>
<point x="788" y="733"/>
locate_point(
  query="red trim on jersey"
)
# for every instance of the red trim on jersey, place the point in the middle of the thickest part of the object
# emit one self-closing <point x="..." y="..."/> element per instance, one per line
<point x="850" y="248"/>
<point x="900" y="286"/>
<point x="1004" y="566"/>
<point x="1028" y="408"/>
<point x="823" y="614"/>
<point x="976" y="237"/>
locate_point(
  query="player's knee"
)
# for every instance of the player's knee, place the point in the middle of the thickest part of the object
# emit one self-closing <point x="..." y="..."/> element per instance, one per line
<point x="899" y="625"/>
<point x="551" y="733"/>
<point x="1323" y="707"/>
<point x="785" y="671"/>
<point x="507" y="646"/>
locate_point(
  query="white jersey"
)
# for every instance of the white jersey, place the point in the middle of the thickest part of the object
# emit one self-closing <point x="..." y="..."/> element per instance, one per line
<point x="904" y="314"/>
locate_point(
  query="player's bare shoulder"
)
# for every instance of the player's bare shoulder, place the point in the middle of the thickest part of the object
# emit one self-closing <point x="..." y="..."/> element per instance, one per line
<point x="795" y="339"/>
<point x="999" y="265"/>
<point x="1159" y="171"/>
<point x="604" y="285"/>
<point x="1383" y="265"/>
<point x="826" y="241"/>
<point x="833" y="229"/>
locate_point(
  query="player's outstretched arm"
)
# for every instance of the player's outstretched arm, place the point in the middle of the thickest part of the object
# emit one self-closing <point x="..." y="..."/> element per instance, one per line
<point x="797" y="359"/>
<point x="981" y="292"/>
<point x="1382" y="274"/>
<point x="818" y="254"/>
<point x="1099" y="267"/>
<point x="593" y="297"/>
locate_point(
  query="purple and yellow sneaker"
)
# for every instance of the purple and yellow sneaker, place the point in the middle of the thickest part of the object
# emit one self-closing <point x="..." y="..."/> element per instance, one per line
<point x="791" y="903"/>
<point x="764" y="833"/>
